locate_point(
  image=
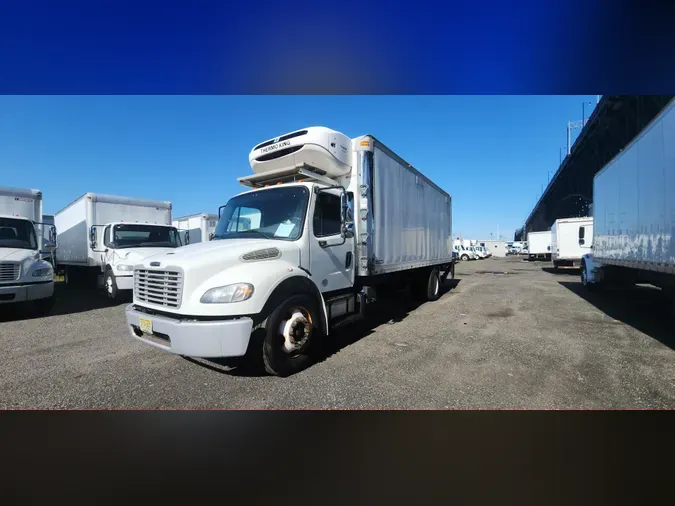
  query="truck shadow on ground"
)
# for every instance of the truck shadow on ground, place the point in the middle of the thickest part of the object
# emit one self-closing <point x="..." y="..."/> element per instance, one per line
<point x="393" y="308"/>
<point x="69" y="300"/>
<point x="646" y="309"/>
<point x="562" y="271"/>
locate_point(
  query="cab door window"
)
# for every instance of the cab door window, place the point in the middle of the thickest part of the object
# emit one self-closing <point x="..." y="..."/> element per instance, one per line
<point x="327" y="220"/>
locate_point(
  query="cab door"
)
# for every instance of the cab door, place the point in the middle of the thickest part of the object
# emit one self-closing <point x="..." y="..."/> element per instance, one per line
<point x="331" y="256"/>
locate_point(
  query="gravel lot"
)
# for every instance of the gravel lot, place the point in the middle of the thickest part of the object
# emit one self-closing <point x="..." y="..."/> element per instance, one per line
<point x="506" y="334"/>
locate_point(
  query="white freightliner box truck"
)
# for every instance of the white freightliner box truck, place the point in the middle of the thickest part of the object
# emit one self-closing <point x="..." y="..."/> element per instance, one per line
<point x="539" y="245"/>
<point x="101" y="238"/>
<point x="571" y="239"/>
<point x="196" y="227"/>
<point x="328" y="220"/>
<point x="24" y="274"/>
<point x="634" y="211"/>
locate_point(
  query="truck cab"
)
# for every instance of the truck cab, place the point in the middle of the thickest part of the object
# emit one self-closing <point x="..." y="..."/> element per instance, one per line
<point x="24" y="275"/>
<point x="294" y="257"/>
<point x="121" y="245"/>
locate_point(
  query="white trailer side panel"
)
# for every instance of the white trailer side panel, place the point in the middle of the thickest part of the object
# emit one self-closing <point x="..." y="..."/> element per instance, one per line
<point x="633" y="206"/>
<point x="412" y="218"/>
<point x="73" y="234"/>
<point x="539" y="243"/>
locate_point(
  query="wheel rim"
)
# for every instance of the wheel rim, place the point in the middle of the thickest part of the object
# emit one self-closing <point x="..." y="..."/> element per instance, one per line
<point x="296" y="330"/>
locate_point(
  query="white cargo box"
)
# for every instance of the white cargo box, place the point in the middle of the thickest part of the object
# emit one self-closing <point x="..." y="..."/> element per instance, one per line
<point x="539" y="243"/>
<point x="571" y="238"/>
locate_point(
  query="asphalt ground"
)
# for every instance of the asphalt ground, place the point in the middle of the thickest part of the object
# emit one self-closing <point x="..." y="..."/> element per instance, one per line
<point x="507" y="333"/>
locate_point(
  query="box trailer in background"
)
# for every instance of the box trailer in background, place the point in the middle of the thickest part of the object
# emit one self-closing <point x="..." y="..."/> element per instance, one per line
<point x="495" y="248"/>
<point x="24" y="274"/>
<point x="330" y="221"/>
<point x="196" y="227"/>
<point x="539" y="245"/>
<point x="571" y="239"/>
<point x="634" y="211"/>
<point x="102" y="237"/>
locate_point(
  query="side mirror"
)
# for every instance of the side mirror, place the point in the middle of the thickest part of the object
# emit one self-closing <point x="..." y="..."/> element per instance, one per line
<point x="92" y="237"/>
<point x="346" y="217"/>
<point x="187" y="237"/>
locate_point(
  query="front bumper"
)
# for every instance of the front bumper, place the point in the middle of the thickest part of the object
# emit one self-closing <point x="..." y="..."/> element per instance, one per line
<point x="22" y="293"/>
<point x="206" y="339"/>
<point x="125" y="282"/>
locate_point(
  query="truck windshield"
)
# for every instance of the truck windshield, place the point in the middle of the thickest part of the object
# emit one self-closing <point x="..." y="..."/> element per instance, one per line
<point x="145" y="236"/>
<point x="277" y="213"/>
<point x="16" y="233"/>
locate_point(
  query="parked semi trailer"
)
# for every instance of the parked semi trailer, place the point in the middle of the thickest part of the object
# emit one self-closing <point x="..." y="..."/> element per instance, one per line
<point x="539" y="245"/>
<point x="102" y="237"/>
<point x="24" y="274"/>
<point x="634" y="212"/>
<point x="571" y="239"/>
<point x="328" y="222"/>
<point x="196" y="227"/>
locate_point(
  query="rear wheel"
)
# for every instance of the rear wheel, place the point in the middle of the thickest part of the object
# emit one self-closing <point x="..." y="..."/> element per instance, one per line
<point x="291" y="333"/>
<point x="428" y="286"/>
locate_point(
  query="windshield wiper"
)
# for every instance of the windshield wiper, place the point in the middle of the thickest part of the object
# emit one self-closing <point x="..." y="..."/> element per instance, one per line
<point x="233" y="235"/>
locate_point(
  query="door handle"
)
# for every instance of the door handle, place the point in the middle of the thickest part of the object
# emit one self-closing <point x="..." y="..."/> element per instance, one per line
<point x="348" y="260"/>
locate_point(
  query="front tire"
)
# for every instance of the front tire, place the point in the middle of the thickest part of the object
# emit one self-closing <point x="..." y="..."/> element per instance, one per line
<point x="291" y="333"/>
<point x="110" y="285"/>
<point x="584" y="279"/>
<point x="464" y="257"/>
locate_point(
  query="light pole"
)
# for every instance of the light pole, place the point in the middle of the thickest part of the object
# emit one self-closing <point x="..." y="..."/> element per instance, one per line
<point x="583" y="113"/>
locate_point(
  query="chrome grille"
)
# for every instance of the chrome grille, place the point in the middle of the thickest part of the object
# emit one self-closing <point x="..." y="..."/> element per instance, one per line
<point x="10" y="271"/>
<point x="164" y="288"/>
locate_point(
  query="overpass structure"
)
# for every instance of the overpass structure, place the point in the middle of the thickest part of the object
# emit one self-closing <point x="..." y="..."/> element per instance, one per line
<point x="616" y="120"/>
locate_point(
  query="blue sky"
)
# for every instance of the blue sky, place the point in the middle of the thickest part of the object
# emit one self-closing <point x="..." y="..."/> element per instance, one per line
<point x="491" y="153"/>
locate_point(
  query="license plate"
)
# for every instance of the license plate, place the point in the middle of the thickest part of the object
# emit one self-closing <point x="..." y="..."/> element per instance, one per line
<point x="145" y="324"/>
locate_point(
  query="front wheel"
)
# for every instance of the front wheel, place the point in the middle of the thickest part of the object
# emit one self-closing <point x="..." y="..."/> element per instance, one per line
<point x="584" y="279"/>
<point x="464" y="257"/>
<point x="291" y="333"/>
<point x="111" y="285"/>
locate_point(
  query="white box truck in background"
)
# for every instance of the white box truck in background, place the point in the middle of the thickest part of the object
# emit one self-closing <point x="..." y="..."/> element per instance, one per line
<point x="102" y="237"/>
<point x="24" y="274"/>
<point x="539" y="245"/>
<point x="571" y="239"/>
<point x="196" y="227"/>
<point x="329" y="221"/>
<point x="634" y="211"/>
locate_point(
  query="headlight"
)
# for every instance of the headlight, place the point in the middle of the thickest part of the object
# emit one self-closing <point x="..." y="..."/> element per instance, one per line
<point x="39" y="273"/>
<point x="125" y="267"/>
<point x="237" y="292"/>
